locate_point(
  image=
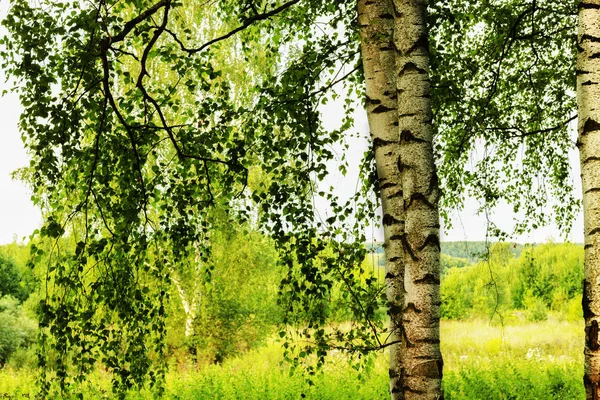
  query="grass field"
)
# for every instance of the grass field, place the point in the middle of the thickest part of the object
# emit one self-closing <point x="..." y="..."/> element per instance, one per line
<point x="541" y="360"/>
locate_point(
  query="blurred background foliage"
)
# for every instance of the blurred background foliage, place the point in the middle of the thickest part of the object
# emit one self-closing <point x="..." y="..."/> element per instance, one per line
<point x="235" y="297"/>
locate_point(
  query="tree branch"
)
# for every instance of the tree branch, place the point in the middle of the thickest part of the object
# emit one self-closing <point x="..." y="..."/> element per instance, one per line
<point x="248" y="22"/>
<point x="128" y="27"/>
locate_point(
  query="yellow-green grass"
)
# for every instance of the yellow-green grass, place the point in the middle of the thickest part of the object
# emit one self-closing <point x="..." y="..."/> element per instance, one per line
<point x="541" y="360"/>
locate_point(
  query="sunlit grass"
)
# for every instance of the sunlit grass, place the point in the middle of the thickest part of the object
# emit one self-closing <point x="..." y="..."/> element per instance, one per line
<point x="542" y="360"/>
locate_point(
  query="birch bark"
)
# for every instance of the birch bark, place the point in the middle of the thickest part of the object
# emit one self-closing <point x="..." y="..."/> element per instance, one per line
<point x="421" y="356"/>
<point x="376" y="30"/>
<point x="588" y="99"/>
<point x="190" y="306"/>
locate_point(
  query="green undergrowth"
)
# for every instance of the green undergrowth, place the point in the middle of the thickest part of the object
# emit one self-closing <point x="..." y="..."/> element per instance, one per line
<point x="541" y="360"/>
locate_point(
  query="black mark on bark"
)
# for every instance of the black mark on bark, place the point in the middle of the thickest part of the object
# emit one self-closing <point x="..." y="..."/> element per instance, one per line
<point x="407" y="136"/>
<point x="432" y="239"/>
<point x="591" y="126"/>
<point x="410" y="307"/>
<point x="593" y="39"/>
<point x="588" y="6"/>
<point x="591" y="336"/>
<point x="382" y="109"/>
<point x="411" y="67"/>
<point x="389" y="220"/>
<point x="430" y="279"/>
<point x="422" y="42"/>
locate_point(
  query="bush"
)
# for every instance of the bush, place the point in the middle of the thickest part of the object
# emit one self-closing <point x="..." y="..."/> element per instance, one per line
<point x="543" y="278"/>
<point x="574" y="311"/>
<point x="537" y="311"/>
<point x="17" y="331"/>
<point x="11" y="280"/>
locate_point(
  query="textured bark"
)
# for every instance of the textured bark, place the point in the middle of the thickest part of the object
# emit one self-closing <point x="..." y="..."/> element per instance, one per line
<point x="376" y="29"/>
<point x="422" y="370"/>
<point x="588" y="97"/>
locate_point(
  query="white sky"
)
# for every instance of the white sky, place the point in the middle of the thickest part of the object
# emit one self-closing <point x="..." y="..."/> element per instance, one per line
<point x="19" y="217"/>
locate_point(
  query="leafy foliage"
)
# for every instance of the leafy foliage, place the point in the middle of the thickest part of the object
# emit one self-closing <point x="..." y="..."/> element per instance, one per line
<point x="14" y="281"/>
<point x="503" y="86"/>
<point x="139" y="123"/>
<point x="544" y="277"/>
<point x="17" y="331"/>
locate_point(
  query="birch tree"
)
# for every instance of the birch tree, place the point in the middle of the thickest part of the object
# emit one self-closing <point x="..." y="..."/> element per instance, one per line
<point x="421" y="356"/>
<point x="588" y="99"/>
<point x="379" y="63"/>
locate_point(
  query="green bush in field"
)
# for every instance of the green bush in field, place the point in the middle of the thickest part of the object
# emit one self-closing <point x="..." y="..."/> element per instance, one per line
<point x="447" y="262"/>
<point x="574" y="311"/>
<point x="17" y="331"/>
<point x="13" y="280"/>
<point x="514" y="381"/>
<point x="536" y="310"/>
<point x="543" y="278"/>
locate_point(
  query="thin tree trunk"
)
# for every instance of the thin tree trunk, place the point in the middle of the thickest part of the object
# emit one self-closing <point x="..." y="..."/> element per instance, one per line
<point x="190" y="307"/>
<point x="588" y="97"/>
<point x="421" y="356"/>
<point x="376" y="30"/>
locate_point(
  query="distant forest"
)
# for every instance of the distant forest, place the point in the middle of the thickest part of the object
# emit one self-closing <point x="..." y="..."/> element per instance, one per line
<point x="465" y="252"/>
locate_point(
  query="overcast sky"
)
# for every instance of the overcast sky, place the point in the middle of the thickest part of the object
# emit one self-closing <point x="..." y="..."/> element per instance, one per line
<point x="18" y="216"/>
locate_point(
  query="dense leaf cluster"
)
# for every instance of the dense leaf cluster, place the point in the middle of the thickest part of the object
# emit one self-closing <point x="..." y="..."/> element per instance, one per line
<point x="141" y="117"/>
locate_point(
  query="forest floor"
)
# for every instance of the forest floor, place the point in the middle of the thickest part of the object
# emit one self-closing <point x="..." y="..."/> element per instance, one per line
<point x="523" y="360"/>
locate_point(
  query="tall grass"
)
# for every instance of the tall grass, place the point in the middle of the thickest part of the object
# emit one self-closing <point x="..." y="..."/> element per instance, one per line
<point x="541" y="360"/>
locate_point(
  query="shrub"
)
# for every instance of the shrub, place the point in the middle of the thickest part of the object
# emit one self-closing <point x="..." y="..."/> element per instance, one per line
<point x="17" y="331"/>
<point x="11" y="280"/>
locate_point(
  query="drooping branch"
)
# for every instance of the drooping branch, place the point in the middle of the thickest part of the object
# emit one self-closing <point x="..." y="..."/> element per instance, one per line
<point x="106" y="45"/>
<point x="247" y="23"/>
<point x="519" y="132"/>
<point x="130" y="25"/>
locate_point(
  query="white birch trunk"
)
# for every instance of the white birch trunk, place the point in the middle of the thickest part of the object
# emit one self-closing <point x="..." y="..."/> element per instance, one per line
<point x="376" y="30"/>
<point x="422" y="369"/>
<point x="588" y="97"/>
<point x="190" y="307"/>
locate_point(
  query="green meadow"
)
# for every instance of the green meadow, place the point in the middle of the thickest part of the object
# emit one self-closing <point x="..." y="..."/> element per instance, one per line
<point x="482" y="360"/>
